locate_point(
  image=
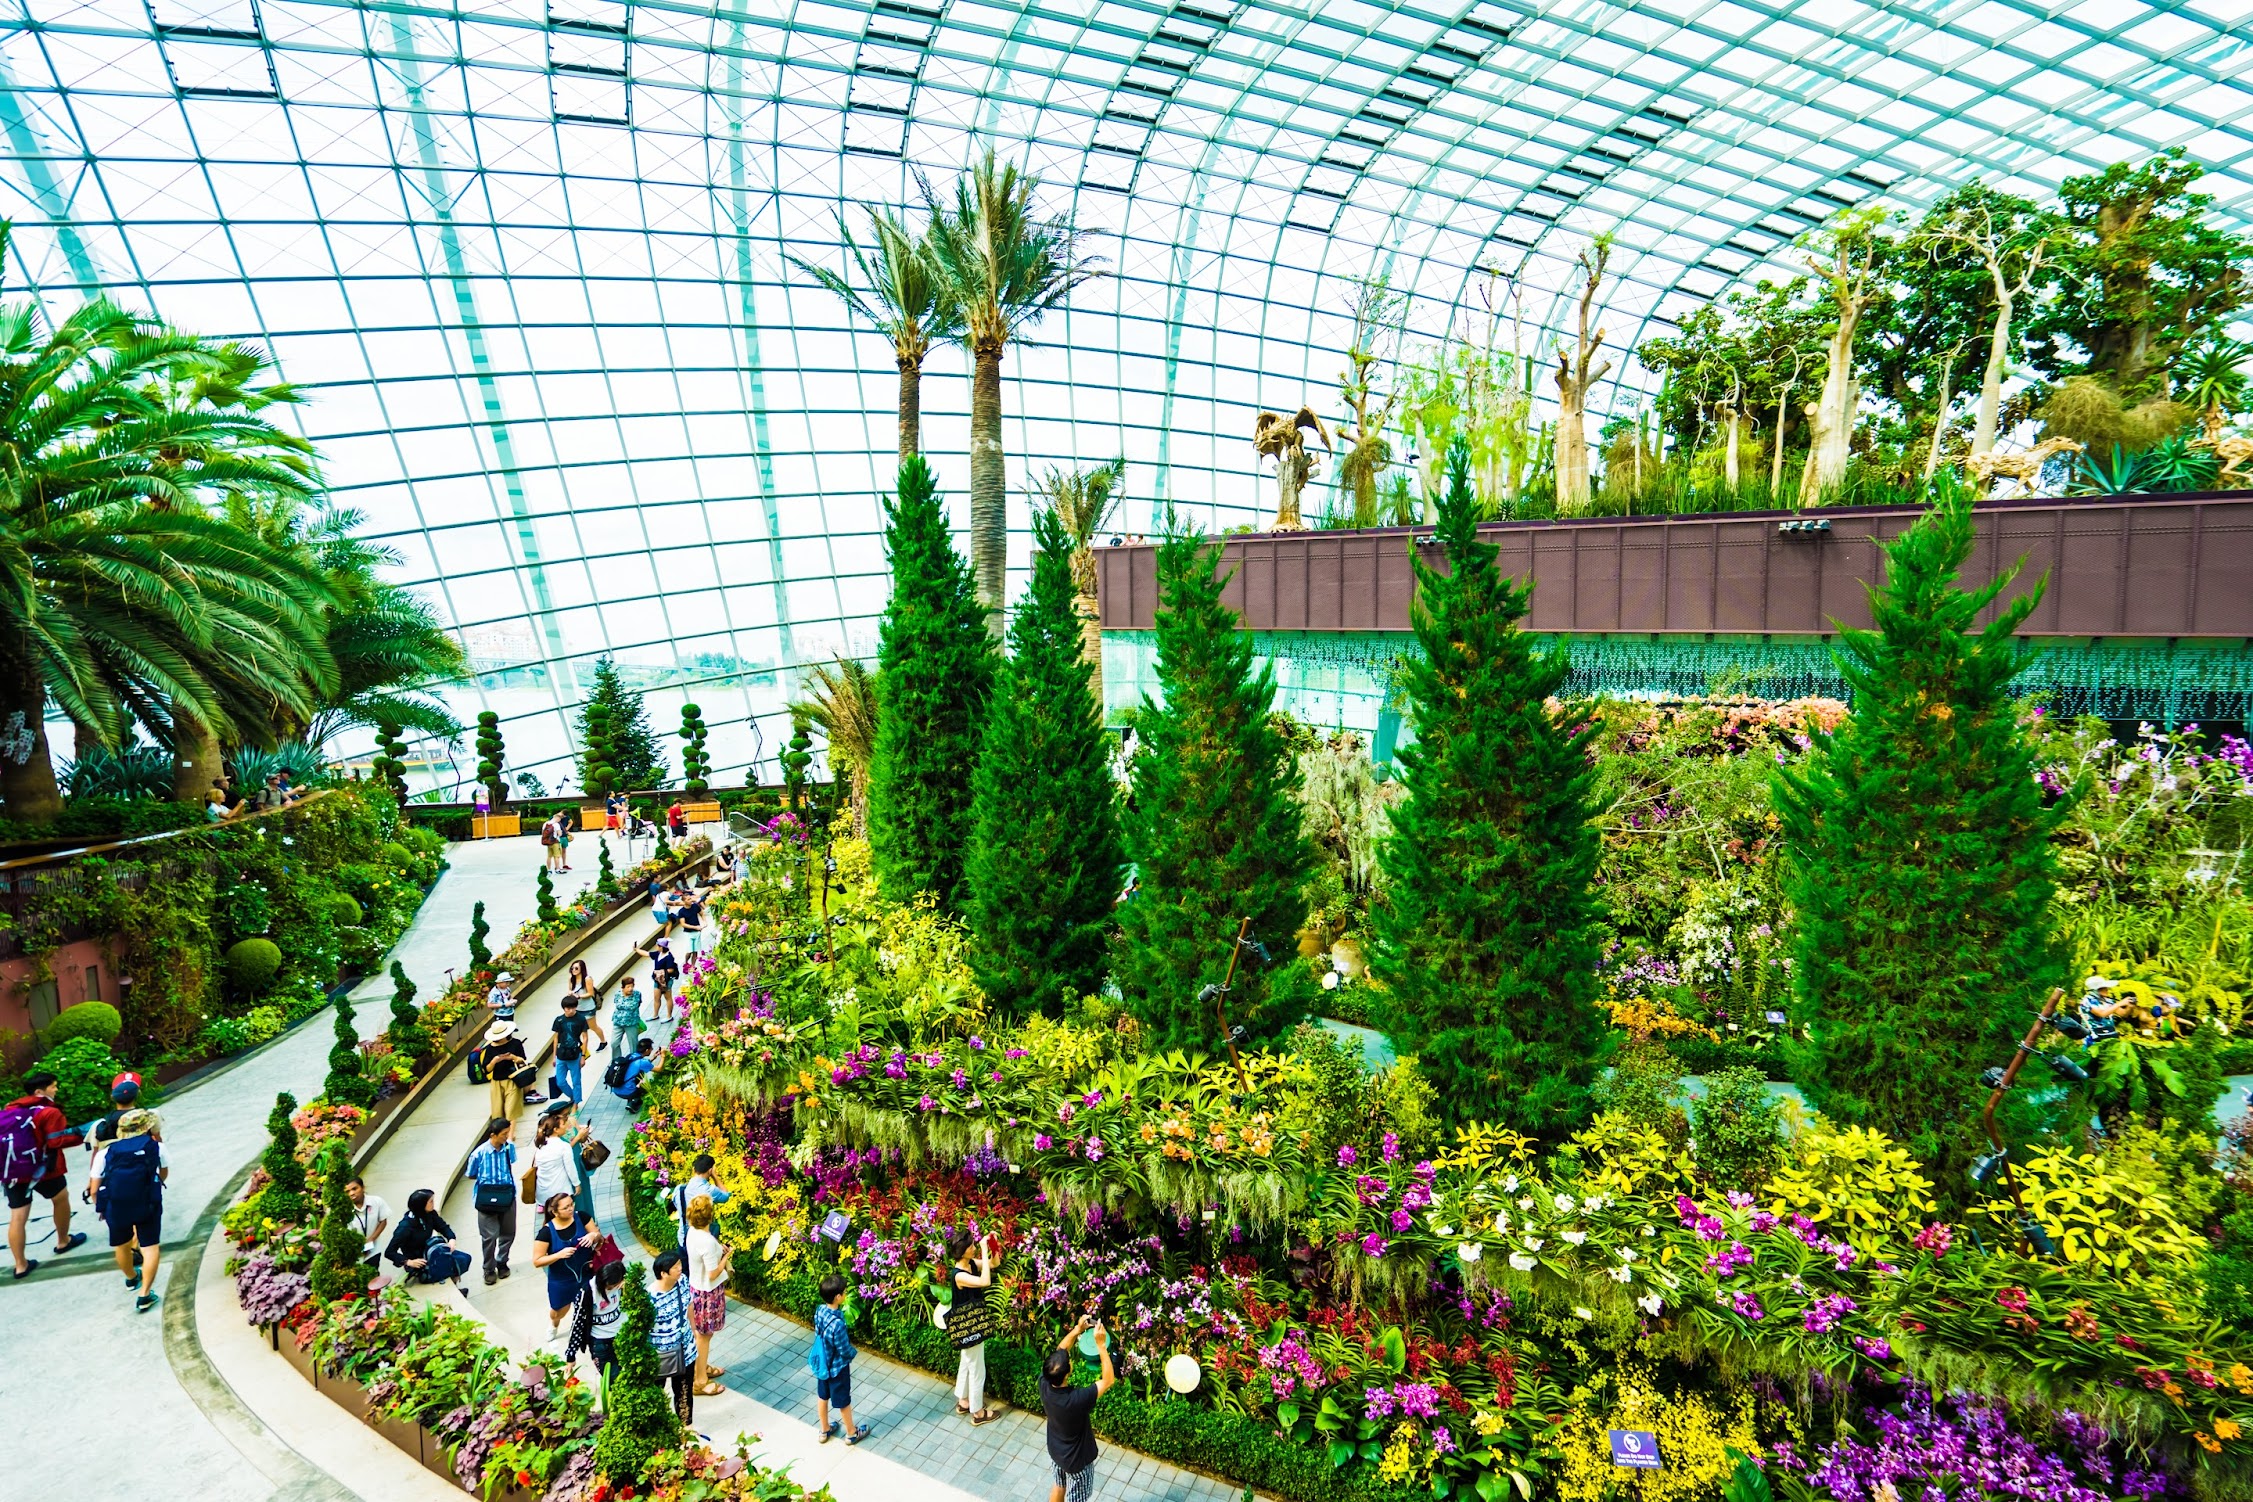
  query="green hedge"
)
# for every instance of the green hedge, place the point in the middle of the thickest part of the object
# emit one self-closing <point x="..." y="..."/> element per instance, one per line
<point x="1231" y="1445"/>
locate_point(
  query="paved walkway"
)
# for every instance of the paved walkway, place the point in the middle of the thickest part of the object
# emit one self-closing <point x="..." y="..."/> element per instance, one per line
<point x="75" y="1357"/>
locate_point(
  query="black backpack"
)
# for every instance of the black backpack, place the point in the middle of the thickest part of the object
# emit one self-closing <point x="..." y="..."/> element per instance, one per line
<point x="615" y="1075"/>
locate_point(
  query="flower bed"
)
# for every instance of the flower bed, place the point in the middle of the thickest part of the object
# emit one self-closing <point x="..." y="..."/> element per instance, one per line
<point x="1373" y="1309"/>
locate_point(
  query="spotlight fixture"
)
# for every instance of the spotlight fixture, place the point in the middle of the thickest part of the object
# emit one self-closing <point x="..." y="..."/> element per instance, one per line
<point x="2039" y="1239"/>
<point x="2072" y="1027"/>
<point x="1994" y="1077"/>
<point x="1986" y="1166"/>
<point x="1806" y="527"/>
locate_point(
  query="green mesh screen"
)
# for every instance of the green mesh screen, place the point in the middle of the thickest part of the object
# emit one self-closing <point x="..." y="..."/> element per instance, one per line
<point x="1344" y="679"/>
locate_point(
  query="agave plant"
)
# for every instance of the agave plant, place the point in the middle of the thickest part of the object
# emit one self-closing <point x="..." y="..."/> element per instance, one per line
<point x="140" y="771"/>
<point x="253" y="765"/>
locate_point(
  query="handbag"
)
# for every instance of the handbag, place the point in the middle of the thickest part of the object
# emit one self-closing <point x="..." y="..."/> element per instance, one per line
<point x="593" y="1154"/>
<point x="528" y="1185"/>
<point x="491" y="1199"/>
<point x="606" y="1253"/>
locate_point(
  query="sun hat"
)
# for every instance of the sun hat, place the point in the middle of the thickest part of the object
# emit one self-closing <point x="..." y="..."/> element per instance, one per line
<point x="503" y="977"/>
<point x="134" y="1123"/>
<point x="498" y="1031"/>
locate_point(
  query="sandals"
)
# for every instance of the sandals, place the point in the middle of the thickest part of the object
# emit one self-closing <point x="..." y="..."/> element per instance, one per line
<point x="709" y="1390"/>
<point x="864" y="1432"/>
<point x="829" y="1431"/>
<point x="77" y="1239"/>
<point x="983" y="1416"/>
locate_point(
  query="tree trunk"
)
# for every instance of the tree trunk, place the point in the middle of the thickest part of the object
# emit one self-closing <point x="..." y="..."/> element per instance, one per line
<point x="27" y="774"/>
<point x="1991" y="384"/>
<point x="1940" y="420"/>
<point x="196" y="761"/>
<point x="1776" y="470"/>
<point x="1091" y="644"/>
<point x="989" y="481"/>
<point x="1834" y="413"/>
<point x="1730" y="469"/>
<point x="911" y="407"/>
<point x="1572" y="453"/>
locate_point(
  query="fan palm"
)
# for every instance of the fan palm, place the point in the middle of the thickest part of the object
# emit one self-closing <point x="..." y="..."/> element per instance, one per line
<point x="1003" y="269"/>
<point x="120" y="597"/>
<point x="1082" y="499"/>
<point x="841" y="702"/>
<point x="901" y="295"/>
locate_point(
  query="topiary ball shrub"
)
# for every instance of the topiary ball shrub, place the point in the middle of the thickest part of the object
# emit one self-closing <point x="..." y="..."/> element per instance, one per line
<point x="89" y="1019"/>
<point x="344" y="910"/>
<point x="395" y="855"/>
<point x="252" y="965"/>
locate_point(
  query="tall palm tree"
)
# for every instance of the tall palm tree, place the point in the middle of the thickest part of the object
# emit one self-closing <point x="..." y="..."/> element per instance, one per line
<point x="121" y="598"/>
<point x="1004" y="269"/>
<point x="841" y="702"/>
<point x="898" y="292"/>
<point x="1082" y="499"/>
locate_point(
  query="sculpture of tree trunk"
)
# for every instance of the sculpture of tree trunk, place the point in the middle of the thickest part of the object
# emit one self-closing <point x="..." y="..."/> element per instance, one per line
<point x="1283" y="439"/>
<point x="1846" y="257"/>
<point x="196" y="759"/>
<point x="1577" y="370"/>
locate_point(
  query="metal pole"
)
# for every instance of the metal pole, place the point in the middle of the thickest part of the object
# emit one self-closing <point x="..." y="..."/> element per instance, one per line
<point x="1220" y="1001"/>
<point x="2010" y="1076"/>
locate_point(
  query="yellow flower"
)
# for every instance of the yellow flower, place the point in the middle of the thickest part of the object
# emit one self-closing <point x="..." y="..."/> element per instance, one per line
<point x="2241" y="1377"/>
<point x="2226" y="1429"/>
<point x="2208" y="1443"/>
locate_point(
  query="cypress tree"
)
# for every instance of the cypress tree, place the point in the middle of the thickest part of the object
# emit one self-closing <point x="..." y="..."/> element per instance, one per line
<point x="544" y="907"/>
<point x="637" y="1414"/>
<point x="409" y="1038"/>
<point x="1487" y="937"/>
<point x="283" y="1198"/>
<point x="937" y="669"/>
<point x="345" y="1084"/>
<point x="1920" y="864"/>
<point x="621" y="733"/>
<point x="338" y="1272"/>
<point x="1213" y="826"/>
<point x="1044" y="858"/>
<point x="480" y="953"/>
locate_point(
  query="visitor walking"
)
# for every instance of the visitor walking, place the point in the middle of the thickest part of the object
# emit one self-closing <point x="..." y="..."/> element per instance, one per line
<point x="563" y="840"/>
<point x="578" y="983"/>
<point x="34" y="1135"/>
<point x="968" y="1323"/>
<point x="423" y="1246"/>
<point x="613" y="808"/>
<point x="698" y="1185"/>
<point x="129" y="1197"/>
<point x="550" y="850"/>
<point x="670" y="1335"/>
<point x="502" y="998"/>
<point x="570" y="1031"/>
<point x="831" y="1361"/>
<point x="502" y="1059"/>
<point x="661" y="909"/>
<point x="552" y="1141"/>
<point x="664" y="973"/>
<point x="708" y="1291"/>
<point x="371" y="1215"/>
<point x="625" y="1016"/>
<point x="607" y="1311"/>
<point x="1070" y="1410"/>
<point x="492" y="1172"/>
<point x="691" y="909"/>
<point x="633" y="1082"/>
<point x="125" y="1095"/>
<point x="676" y="819"/>
<point x="567" y="1245"/>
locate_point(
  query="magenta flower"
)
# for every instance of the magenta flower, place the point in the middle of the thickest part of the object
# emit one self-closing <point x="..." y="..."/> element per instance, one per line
<point x="1347" y="1157"/>
<point x="926" y="1104"/>
<point x="1044" y="1142"/>
<point x="1401" y="1222"/>
<point x="1373" y="1244"/>
<point x="977" y="1042"/>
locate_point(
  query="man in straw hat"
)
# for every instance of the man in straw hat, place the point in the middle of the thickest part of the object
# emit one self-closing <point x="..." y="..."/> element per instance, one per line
<point x="128" y="1187"/>
<point x="503" y="1060"/>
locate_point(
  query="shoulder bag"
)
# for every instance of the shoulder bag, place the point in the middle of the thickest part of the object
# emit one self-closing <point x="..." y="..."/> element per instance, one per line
<point x="593" y="1154"/>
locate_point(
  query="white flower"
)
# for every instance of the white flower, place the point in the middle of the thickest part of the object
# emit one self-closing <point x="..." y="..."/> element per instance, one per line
<point x="1623" y="1275"/>
<point x="1594" y="1202"/>
<point x="1564" y="1203"/>
<point x="1627" y="1254"/>
<point x="1329" y="980"/>
<point x="1526" y="1203"/>
<point x="1502" y="1224"/>
<point x="1521" y="1262"/>
<point x="1584" y="1313"/>
<point x="1576" y="1237"/>
<point x="1651" y="1303"/>
<point x="1470" y="1251"/>
<point x="1534" y="1243"/>
<point x="1510" y="1184"/>
<point x="1650" y="1230"/>
<point x="1440" y="1230"/>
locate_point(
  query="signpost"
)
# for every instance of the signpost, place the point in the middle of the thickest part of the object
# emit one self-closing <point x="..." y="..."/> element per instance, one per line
<point x="1636" y="1449"/>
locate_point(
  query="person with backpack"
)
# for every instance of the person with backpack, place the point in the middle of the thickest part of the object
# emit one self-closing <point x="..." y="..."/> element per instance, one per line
<point x="502" y="998"/>
<point x="423" y="1246"/>
<point x="632" y="1082"/>
<point x="549" y="851"/>
<point x="492" y="1169"/>
<point x="571" y="1047"/>
<point x="831" y="1361"/>
<point x="34" y="1135"/>
<point x="129" y="1195"/>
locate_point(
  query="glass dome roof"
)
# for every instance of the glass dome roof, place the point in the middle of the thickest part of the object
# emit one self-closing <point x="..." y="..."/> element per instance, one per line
<point x="528" y="256"/>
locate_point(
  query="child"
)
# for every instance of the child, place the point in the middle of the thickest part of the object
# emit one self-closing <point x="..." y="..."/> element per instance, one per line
<point x="831" y="1361"/>
<point x="501" y="998"/>
<point x="610" y="1312"/>
<point x="664" y="970"/>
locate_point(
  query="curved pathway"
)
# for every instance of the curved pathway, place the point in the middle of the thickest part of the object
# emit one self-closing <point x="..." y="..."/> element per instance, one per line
<point x="89" y="1378"/>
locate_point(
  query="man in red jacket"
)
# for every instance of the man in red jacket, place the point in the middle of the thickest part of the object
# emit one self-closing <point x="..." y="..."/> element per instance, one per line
<point x="44" y="1178"/>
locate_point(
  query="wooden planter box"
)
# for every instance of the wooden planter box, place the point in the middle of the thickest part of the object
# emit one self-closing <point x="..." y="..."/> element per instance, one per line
<point x="593" y="816"/>
<point x="702" y="813"/>
<point x="495" y="826"/>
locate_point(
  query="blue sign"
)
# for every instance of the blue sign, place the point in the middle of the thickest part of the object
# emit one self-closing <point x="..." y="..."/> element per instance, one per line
<point x="1637" y="1449"/>
<point x="833" y="1225"/>
<point x="1777" y="1019"/>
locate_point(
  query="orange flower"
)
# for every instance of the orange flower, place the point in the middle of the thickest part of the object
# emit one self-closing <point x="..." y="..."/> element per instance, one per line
<point x="2208" y="1443"/>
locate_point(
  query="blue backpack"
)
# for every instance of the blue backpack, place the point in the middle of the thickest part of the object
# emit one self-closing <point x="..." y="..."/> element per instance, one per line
<point x="129" y="1174"/>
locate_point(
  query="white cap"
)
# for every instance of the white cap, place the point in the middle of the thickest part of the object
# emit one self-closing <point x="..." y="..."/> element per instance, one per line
<point x="503" y="976"/>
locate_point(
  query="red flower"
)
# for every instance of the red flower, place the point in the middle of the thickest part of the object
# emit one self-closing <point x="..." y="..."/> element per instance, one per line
<point x="524" y="1478"/>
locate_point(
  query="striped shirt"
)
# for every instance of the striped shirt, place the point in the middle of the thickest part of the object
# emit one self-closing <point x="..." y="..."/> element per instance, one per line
<point x="671" y="1331"/>
<point x="491" y="1165"/>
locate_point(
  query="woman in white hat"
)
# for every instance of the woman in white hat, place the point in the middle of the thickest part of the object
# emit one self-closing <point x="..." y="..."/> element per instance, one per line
<point x="504" y="1063"/>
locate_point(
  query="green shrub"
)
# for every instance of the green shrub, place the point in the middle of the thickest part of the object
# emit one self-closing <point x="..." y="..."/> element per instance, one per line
<point x="1739" y="1129"/>
<point x="83" y="1069"/>
<point x="226" y="1035"/>
<point x="638" y="1417"/>
<point x="1645" y="1085"/>
<point x="344" y="910"/>
<point x="89" y="1019"/>
<point x="395" y="856"/>
<point x="252" y="965"/>
<point x="264" y="1024"/>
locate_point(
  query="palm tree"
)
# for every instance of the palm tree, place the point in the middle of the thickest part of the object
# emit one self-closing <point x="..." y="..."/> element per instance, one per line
<point x="841" y="702"/>
<point x="1003" y="269"/>
<point x="2213" y="380"/>
<point x="121" y="598"/>
<point x="902" y="297"/>
<point x="1083" y="499"/>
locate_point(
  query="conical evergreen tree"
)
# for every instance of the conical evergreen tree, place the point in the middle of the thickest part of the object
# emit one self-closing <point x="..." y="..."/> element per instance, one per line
<point x="409" y="1038"/>
<point x="1487" y="937"/>
<point x="1213" y="827"/>
<point x="283" y="1198"/>
<point x="1920" y="864"/>
<point x="621" y="732"/>
<point x="637" y="1414"/>
<point x="1044" y="858"/>
<point x="937" y="670"/>
<point x="338" y="1271"/>
<point x="346" y="1084"/>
